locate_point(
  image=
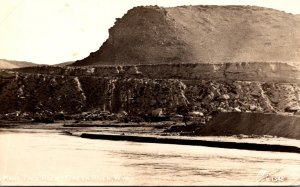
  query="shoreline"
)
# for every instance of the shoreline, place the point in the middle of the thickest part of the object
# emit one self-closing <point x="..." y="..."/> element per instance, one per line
<point x="154" y="133"/>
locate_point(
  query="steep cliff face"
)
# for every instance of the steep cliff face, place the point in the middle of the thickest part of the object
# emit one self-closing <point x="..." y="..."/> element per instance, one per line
<point x="200" y="34"/>
<point x="35" y="93"/>
<point x="140" y="96"/>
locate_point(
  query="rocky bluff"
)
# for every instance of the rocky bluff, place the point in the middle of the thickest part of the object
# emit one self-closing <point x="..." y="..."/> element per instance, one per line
<point x="157" y="60"/>
<point x="200" y="34"/>
<point x="140" y="90"/>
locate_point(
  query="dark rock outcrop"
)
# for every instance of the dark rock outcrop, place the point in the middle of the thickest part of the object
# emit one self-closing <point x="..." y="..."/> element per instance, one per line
<point x="67" y="94"/>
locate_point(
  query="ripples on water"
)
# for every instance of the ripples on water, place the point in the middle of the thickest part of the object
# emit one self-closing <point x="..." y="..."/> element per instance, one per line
<point x="49" y="158"/>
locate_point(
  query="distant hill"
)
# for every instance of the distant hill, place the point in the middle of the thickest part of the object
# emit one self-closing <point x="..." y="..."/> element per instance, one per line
<point x="9" y="64"/>
<point x="200" y="34"/>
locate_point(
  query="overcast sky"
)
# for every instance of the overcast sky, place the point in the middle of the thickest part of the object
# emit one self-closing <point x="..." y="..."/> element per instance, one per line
<point x="55" y="31"/>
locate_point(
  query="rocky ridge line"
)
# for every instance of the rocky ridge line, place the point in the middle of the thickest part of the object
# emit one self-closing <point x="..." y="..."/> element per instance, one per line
<point x="245" y="71"/>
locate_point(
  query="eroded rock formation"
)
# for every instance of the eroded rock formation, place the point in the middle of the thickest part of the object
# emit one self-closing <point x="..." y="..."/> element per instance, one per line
<point x="140" y="96"/>
<point x="190" y="60"/>
<point x="200" y="34"/>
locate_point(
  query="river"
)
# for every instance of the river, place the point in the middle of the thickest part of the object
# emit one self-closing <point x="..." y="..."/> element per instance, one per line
<point x="42" y="157"/>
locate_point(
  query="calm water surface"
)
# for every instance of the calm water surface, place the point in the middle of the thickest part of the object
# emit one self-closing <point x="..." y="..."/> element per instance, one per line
<point x="53" y="159"/>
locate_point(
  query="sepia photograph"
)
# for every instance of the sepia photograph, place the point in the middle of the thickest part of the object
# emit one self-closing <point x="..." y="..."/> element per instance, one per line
<point x="150" y="92"/>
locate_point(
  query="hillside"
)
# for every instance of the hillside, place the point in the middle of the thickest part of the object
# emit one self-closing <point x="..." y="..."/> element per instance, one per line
<point x="200" y="34"/>
<point x="9" y="64"/>
<point x="64" y="63"/>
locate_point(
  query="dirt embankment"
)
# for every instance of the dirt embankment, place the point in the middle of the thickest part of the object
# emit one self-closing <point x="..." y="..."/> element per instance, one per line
<point x="226" y="124"/>
<point x="200" y="34"/>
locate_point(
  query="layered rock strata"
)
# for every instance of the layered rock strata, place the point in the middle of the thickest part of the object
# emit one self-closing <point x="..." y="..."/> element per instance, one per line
<point x="141" y="96"/>
<point x="246" y="71"/>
